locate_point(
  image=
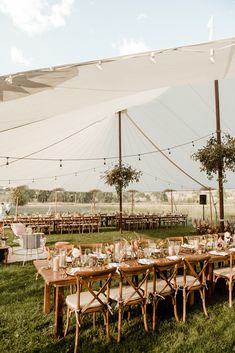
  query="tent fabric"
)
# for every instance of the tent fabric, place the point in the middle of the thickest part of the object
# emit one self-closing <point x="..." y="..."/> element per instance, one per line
<point x="65" y="117"/>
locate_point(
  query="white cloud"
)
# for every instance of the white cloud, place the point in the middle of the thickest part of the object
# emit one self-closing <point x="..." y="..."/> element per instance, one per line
<point x="142" y="17"/>
<point x="18" y="57"/>
<point x="131" y="46"/>
<point x="36" y="16"/>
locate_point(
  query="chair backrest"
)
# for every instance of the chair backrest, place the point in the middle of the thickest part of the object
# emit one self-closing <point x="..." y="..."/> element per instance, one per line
<point x="190" y="264"/>
<point x="180" y="239"/>
<point x="92" y="246"/>
<point x="64" y="245"/>
<point x="167" y="272"/>
<point x="18" y="229"/>
<point x="137" y="279"/>
<point x="96" y="284"/>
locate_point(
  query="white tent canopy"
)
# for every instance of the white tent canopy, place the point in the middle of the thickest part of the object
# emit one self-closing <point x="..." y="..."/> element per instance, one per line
<point x="67" y="116"/>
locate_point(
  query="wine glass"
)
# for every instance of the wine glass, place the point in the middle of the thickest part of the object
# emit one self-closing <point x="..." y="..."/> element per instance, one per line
<point x="177" y="248"/>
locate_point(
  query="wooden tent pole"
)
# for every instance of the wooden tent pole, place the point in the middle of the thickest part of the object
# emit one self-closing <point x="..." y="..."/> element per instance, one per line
<point x="220" y="164"/>
<point x="120" y="166"/>
<point x="210" y="199"/>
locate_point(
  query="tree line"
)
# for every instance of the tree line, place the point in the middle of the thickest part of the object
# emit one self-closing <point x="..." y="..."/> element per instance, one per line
<point x="21" y="195"/>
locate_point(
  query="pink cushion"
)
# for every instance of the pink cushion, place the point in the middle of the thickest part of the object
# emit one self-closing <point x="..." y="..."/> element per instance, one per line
<point x="18" y="229"/>
<point x="60" y="244"/>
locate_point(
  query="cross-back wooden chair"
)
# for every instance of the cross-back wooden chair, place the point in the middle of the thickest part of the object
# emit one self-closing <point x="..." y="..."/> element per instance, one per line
<point x="132" y="291"/>
<point x="193" y="280"/>
<point x="180" y="239"/>
<point x="163" y="285"/>
<point x="90" y="300"/>
<point x="226" y="273"/>
<point x="92" y="246"/>
<point x="68" y="247"/>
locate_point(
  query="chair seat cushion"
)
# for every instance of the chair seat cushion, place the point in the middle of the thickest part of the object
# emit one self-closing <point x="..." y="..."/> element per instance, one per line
<point x="127" y="291"/>
<point x="190" y="281"/>
<point x="224" y="272"/>
<point x="161" y="287"/>
<point x="85" y="298"/>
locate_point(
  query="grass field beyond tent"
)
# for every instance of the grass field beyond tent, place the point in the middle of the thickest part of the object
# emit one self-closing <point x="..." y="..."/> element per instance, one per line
<point x="24" y="327"/>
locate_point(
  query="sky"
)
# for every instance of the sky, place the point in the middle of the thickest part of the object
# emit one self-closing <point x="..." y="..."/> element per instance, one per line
<point x="44" y="33"/>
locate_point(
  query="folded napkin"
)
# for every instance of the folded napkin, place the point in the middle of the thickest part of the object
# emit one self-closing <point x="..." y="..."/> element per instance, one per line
<point x="217" y="253"/>
<point x="172" y="257"/>
<point x="73" y="270"/>
<point x="145" y="261"/>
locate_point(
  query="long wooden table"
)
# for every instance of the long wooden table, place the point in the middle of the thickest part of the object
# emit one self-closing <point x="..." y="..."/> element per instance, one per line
<point x="59" y="281"/>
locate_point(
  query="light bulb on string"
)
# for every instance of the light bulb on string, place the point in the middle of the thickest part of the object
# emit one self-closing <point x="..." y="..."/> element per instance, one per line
<point x="55" y="178"/>
<point x="212" y="56"/>
<point x="7" y="162"/>
<point x="99" y="65"/>
<point x="169" y="151"/>
<point x="9" y="80"/>
<point x="152" y="58"/>
<point x="61" y="163"/>
<point x="193" y="144"/>
<point x="104" y="161"/>
<point x="139" y="157"/>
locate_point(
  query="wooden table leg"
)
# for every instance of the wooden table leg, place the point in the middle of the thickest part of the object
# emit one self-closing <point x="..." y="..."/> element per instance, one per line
<point x="191" y="298"/>
<point x="46" y="306"/>
<point x="59" y="303"/>
<point x="210" y="279"/>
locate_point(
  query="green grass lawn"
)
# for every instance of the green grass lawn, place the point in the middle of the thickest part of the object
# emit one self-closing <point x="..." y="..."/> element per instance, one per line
<point x="25" y="328"/>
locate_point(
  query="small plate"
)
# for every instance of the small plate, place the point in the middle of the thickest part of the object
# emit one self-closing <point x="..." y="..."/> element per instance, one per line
<point x="113" y="264"/>
<point x="145" y="261"/>
<point x="72" y="271"/>
<point x="217" y="253"/>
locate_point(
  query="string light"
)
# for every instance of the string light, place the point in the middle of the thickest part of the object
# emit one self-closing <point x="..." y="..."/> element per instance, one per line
<point x="106" y="158"/>
<point x="61" y="163"/>
<point x="153" y="58"/>
<point x="193" y="144"/>
<point x="169" y="151"/>
<point x="212" y="56"/>
<point x="139" y="157"/>
<point x="99" y="65"/>
<point x="7" y="162"/>
<point x="9" y="79"/>
<point x="55" y="178"/>
<point x="104" y="161"/>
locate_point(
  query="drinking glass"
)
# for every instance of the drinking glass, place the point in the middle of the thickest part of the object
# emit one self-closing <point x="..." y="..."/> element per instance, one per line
<point x="177" y="248"/>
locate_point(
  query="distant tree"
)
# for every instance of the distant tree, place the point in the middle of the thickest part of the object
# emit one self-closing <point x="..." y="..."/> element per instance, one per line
<point x="164" y="197"/>
<point x="20" y="195"/>
<point x="43" y="195"/>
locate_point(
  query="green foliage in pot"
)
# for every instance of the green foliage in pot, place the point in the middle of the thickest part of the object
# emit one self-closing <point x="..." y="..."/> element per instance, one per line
<point x="215" y="155"/>
<point x="121" y="177"/>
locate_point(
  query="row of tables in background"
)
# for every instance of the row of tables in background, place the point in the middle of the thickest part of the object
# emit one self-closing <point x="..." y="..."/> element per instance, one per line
<point x="92" y="223"/>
